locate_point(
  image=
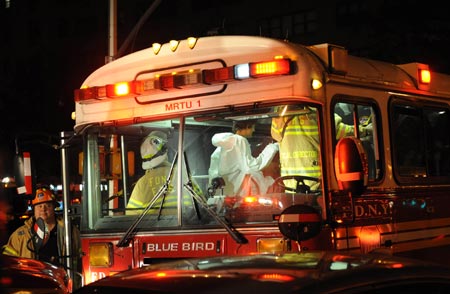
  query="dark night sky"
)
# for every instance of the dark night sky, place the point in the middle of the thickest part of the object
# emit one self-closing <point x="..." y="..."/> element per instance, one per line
<point x="45" y="54"/>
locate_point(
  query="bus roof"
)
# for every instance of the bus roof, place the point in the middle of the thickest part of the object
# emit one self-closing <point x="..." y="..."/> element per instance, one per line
<point x="324" y="62"/>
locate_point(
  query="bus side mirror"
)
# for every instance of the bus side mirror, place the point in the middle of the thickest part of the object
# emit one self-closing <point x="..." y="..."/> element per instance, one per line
<point x="351" y="167"/>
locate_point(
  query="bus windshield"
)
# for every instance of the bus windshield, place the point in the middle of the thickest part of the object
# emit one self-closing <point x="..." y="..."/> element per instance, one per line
<point x="239" y="166"/>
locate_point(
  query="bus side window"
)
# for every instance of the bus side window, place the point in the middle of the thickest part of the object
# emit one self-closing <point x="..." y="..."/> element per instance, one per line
<point x="438" y="141"/>
<point x="420" y="143"/>
<point x="359" y="121"/>
<point x="407" y="136"/>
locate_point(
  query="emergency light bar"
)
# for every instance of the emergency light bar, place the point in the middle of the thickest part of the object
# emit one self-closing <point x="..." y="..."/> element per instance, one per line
<point x="184" y="79"/>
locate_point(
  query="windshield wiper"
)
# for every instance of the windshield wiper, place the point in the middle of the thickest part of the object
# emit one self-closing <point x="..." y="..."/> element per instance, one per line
<point x="197" y="199"/>
<point x="161" y="193"/>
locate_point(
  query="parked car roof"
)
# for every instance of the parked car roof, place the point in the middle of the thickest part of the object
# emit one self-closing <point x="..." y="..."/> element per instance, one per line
<point x="306" y="272"/>
<point x="25" y="275"/>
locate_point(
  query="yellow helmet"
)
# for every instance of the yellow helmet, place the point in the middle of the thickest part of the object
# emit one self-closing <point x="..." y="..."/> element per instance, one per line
<point x="43" y="195"/>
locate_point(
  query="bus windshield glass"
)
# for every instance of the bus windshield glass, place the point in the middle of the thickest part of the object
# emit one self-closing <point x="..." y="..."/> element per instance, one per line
<point x="242" y="166"/>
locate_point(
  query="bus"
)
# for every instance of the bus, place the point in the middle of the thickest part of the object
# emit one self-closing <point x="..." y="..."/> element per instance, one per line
<point x="361" y="161"/>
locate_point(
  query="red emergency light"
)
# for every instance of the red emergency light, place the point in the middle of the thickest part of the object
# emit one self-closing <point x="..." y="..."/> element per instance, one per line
<point x="218" y="75"/>
<point x="424" y="76"/>
<point x="270" y="68"/>
<point x="166" y="82"/>
<point x="420" y="72"/>
<point x="93" y="93"/>
<point x="120" y="89"/>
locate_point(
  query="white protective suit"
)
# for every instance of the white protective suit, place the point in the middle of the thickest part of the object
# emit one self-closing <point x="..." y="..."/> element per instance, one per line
<point x="233" y="161"/>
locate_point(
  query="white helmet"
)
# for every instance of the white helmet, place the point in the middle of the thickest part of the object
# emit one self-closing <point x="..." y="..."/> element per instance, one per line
<point x="154" y="150"/>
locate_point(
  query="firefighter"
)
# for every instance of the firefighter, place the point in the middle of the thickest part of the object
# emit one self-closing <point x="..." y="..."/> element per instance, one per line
<point x="343" y="130"/>
<point x="346" y="110"/>
<point x="298" y="136"/>
<point x="233" y="161"/>
<point x="157" y="167"/>
<point x="46" y="242"/>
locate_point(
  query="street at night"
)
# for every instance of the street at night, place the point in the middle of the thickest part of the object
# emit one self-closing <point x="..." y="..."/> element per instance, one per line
<point x="135" y="133"/>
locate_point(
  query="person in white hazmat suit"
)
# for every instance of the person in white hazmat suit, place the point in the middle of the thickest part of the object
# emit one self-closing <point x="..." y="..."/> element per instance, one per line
<point x="233" y="161"/>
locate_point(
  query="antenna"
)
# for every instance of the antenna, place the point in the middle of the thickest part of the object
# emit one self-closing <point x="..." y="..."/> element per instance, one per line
<point x="287" y="35"/>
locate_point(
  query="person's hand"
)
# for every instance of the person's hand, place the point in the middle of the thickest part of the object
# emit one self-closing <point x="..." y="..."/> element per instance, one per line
<point x="365" y="131"/>
<point x="368" y="130"/>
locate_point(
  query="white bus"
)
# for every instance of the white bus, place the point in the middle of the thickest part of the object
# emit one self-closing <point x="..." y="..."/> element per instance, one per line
<point x="363" y="158"/>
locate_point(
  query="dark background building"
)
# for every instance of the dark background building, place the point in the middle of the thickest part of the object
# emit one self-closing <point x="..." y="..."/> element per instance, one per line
<point x="48" y="47"/>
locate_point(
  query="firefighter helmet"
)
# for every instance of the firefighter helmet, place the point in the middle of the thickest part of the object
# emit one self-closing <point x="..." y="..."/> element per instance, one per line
<point x="43" y="195"/>
<point x="154" y="150"/>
